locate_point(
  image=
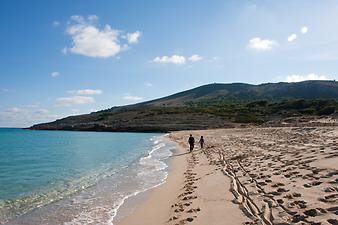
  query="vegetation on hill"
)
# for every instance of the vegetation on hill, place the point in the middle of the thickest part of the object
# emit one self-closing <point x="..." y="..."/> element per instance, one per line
<point x="263" y="110"/>
<point x="211" y="106"/>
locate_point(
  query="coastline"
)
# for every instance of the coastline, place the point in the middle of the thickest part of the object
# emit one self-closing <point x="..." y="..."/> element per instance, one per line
<point x="165" y="204"/>
<point x="284" y="175"/>
<point x="247" y="176"/>
<point x="99" y="203"/>
<point x="149" y="206"/>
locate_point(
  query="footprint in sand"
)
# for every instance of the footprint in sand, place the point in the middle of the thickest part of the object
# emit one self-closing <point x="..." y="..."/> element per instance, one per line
<point x="330" y="189"/>
<point x="329" y="198"/>
<point x="189" y="197"/>
<point x="297" y="218"/>
<point x="334" y="181"/>
<point x="280" y="190"/>
<point x="179" y="210"/>
<point x="193" y="210"/>
<point x="333" y="210"/>
<point x="301" y="204"/>
<point x="314" y="183"/>
<point x="280" y="201"/>
<point x="189" y="219"/>
<point x="332" y="173"/>
<point x="311" y="212"/>
<point x="278" y="185"/>
<point x="333" y="221"/>
<point x="173" y="218"/>
<point x="185" y="193"/>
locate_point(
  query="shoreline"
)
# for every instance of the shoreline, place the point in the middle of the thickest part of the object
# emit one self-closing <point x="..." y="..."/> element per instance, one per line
<point x="100" y="203"/>
<point x="247" y="176"/>
<point x="126" y="205"/>
<point x="165" y="204"/>
<point x="137" y="207"/>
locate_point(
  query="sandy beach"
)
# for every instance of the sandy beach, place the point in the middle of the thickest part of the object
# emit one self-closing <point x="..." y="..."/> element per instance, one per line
<point x="248" y="176"/>
<point x="98" y="101"/>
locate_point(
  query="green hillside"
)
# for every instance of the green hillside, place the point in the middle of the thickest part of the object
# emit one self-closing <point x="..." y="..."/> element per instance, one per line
<point x="211" y="106"/>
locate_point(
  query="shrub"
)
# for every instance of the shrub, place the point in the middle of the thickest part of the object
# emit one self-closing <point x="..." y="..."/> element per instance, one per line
<point x="326" y="111"/>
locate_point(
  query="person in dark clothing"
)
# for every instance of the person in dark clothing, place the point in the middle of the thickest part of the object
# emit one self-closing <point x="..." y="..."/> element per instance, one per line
<point x="201" y="141"/>
<point x="191" y="142"/>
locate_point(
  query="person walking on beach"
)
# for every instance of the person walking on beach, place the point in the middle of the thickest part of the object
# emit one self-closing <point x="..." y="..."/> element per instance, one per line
<point x="191" y="142"/>
<point x="201" y="141"/>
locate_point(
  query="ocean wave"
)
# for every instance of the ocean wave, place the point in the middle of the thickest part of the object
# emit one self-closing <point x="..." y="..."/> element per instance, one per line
<point x="151" y="169"/>
<point x="12" y="208"/>
<point x="97" y="197"/>
<point x="145" y="173"/>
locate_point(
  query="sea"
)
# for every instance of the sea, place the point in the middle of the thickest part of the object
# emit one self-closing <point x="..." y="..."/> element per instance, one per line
<point x="70" y="178"/>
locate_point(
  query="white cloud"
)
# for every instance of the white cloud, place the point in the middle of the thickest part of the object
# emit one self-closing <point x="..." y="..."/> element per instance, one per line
<point x="86" y="92"/>
<point x="292" y="37"/>
<point x="56" y="23"/>
<point x="74" y="100"/>
<point x="311" y="76"/>
<point x="90" y="40"/>
<point x="55" y="74"/>
<point x="93" y="18"/>
<point x="174" y="59"/>
<point x="261" y="44"/>
<point x="14" y="110"/>
<point x="25" y="116"/>
<point x="132" y="98"/>
<point x="195" y="58"/>
<point x="304" y="30"/>
<point x="133" y="37"/>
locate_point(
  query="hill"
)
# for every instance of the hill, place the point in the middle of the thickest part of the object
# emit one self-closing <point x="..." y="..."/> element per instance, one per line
<point x="211" y="106"/>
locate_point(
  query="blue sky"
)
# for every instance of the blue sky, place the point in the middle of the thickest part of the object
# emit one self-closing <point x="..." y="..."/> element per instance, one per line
<point x="61" y="58"/>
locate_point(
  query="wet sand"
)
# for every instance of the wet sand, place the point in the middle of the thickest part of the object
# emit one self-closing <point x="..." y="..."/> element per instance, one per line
<point x="248" y="176"/>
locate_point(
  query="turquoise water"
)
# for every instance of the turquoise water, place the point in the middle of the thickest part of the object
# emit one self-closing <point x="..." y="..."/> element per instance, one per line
<point x="38" y="168"/>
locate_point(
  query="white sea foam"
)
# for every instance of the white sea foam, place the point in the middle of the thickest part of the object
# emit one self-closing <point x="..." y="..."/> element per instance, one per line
<point x="148" y="172"/>
<point x="151" y="166"/>
<point x="99" y="201"/>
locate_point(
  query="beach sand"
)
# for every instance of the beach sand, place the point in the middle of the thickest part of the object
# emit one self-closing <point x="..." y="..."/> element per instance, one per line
<point x="248" y="176"/>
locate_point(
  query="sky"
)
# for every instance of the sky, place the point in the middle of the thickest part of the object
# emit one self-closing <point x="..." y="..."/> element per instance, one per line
<point x="61" y="57"/>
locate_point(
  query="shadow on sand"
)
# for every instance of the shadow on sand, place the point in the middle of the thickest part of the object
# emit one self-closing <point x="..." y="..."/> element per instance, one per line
<point x="186" y="153"/>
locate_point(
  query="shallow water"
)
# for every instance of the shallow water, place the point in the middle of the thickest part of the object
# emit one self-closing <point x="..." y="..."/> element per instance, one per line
<point x="59" y="177"/>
